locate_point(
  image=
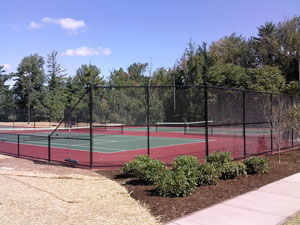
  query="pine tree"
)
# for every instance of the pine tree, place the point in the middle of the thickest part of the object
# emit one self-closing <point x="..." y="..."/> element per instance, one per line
<point x="29" y="89"/>
<point x="56" y="83"/>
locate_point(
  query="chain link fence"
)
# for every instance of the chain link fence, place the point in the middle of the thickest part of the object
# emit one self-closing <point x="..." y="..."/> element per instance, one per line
<point x="109" y="126"/>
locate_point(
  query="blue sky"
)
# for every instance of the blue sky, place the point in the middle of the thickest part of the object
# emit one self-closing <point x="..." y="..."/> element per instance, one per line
<point x="117" y="33"/>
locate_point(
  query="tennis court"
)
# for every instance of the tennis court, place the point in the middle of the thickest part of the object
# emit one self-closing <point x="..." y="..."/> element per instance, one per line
<point x="117" y="138"/>
<point x="68" y="139"/>
<point x="163" y="122"/>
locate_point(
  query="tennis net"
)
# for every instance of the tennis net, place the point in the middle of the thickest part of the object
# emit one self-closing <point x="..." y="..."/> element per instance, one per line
<point x="71" y="132"/>
<point x="197" y="127"/>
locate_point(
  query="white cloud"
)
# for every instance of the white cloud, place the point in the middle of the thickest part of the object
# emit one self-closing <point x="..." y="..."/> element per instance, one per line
<point x="65" y="23"/>
<point x="48" y="20"/>
<point x="86" y="51"/>
<point x="83" y="51"/>
<point x="6" y="67"/>
<point x="70" y="24"/>
<point x="34" y="25"/>
<point x="105" y="51"/>
<point x="69" y="52"/>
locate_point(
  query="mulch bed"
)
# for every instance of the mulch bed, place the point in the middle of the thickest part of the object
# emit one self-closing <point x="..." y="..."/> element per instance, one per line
<point x="170" y="208"/>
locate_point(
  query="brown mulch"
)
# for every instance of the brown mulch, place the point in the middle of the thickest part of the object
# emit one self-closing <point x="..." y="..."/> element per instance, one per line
<point x="170" y="208"/>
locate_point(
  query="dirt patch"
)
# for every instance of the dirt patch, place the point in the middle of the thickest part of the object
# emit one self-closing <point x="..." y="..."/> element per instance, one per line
<point x="204" y="196"/>
<point x="34" y="192"/>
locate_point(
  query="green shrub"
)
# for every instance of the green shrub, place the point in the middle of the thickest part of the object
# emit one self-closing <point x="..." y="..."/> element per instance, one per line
<point x="190" y="166"/>
<point x="231" y="170"/>
<point x="208" y="174"/>
<point x="218" y="159"/>
<point x="145" y="168"/>
<point x="173" y="183"/>
<point x="131" y="167"/>
<point x="150" y="170"/>
<point x="259" y="165"/>
<point x="185" y="162"/>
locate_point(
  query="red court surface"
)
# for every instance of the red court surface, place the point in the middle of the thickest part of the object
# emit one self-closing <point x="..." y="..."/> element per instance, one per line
<point x="234" y="143"/>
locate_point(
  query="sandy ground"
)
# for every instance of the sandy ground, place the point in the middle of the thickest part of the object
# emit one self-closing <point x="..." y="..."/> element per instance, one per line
<point x="295" y="220"/>
<point x="35" y="193"/>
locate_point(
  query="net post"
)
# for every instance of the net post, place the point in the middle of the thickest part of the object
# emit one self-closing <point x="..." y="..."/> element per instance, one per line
<point x="18" y="145"/>
<point x="148" y="121"/>
<point x="244" y="125"/>
<point x="91" y="125"/>
<point x="49" y="148"/>
<point x="206" y="117"/>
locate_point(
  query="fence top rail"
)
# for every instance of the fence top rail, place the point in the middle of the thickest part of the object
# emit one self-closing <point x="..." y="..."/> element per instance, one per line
<point x="152" y="86"/>
<point x="195" y="86"/>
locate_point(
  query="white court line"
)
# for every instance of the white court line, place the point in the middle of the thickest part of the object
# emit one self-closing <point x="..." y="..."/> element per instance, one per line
<point x="66" y="146"/>
<point x="145" y="138"/>
<point x="108" y="141"/>
<point x="123" y="150"/>
<point x="43" y="144"/>
<point x="136" y="140"/>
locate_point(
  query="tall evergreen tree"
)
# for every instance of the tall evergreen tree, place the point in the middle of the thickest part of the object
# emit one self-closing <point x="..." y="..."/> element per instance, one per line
<point x="192" y="66"/>
<point x="56" y="75"/>
<point x="136" y="73"/>
<point x="6" y="98"/>
<point x="88" y="75"/>
<point x="289" y="39"/>
<point x="119" y="78"/>
<point x="56" y="83"/>
<point x="29" y="87"/>
<point x="267" y="45"/>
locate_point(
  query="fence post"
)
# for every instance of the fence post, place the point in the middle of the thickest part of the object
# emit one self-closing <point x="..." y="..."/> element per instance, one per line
<point x="34" y="118"/>
<point x="292" y="127"/>
<point x="77" y="115"/>
<point x="292" y="137"/>
<point x="271" y="98"/>
<point x="91" y="125"/>
<point x="206" y="118"/>
<point x="148" y="120"/>
<point x="18" y="145"/>
<point x="49" y="149"/>
<point x="244" y="125"/>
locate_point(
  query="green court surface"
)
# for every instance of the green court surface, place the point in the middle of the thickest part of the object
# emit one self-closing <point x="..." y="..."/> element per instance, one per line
<point x="102" y="143"/>
<point x="118" y="143"/>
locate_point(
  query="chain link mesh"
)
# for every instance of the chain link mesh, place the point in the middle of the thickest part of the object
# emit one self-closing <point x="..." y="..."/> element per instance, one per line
<point x="160" y="121"/>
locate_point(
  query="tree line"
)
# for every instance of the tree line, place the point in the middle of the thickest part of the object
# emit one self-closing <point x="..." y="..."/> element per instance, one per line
<point x="265" y="62"/>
